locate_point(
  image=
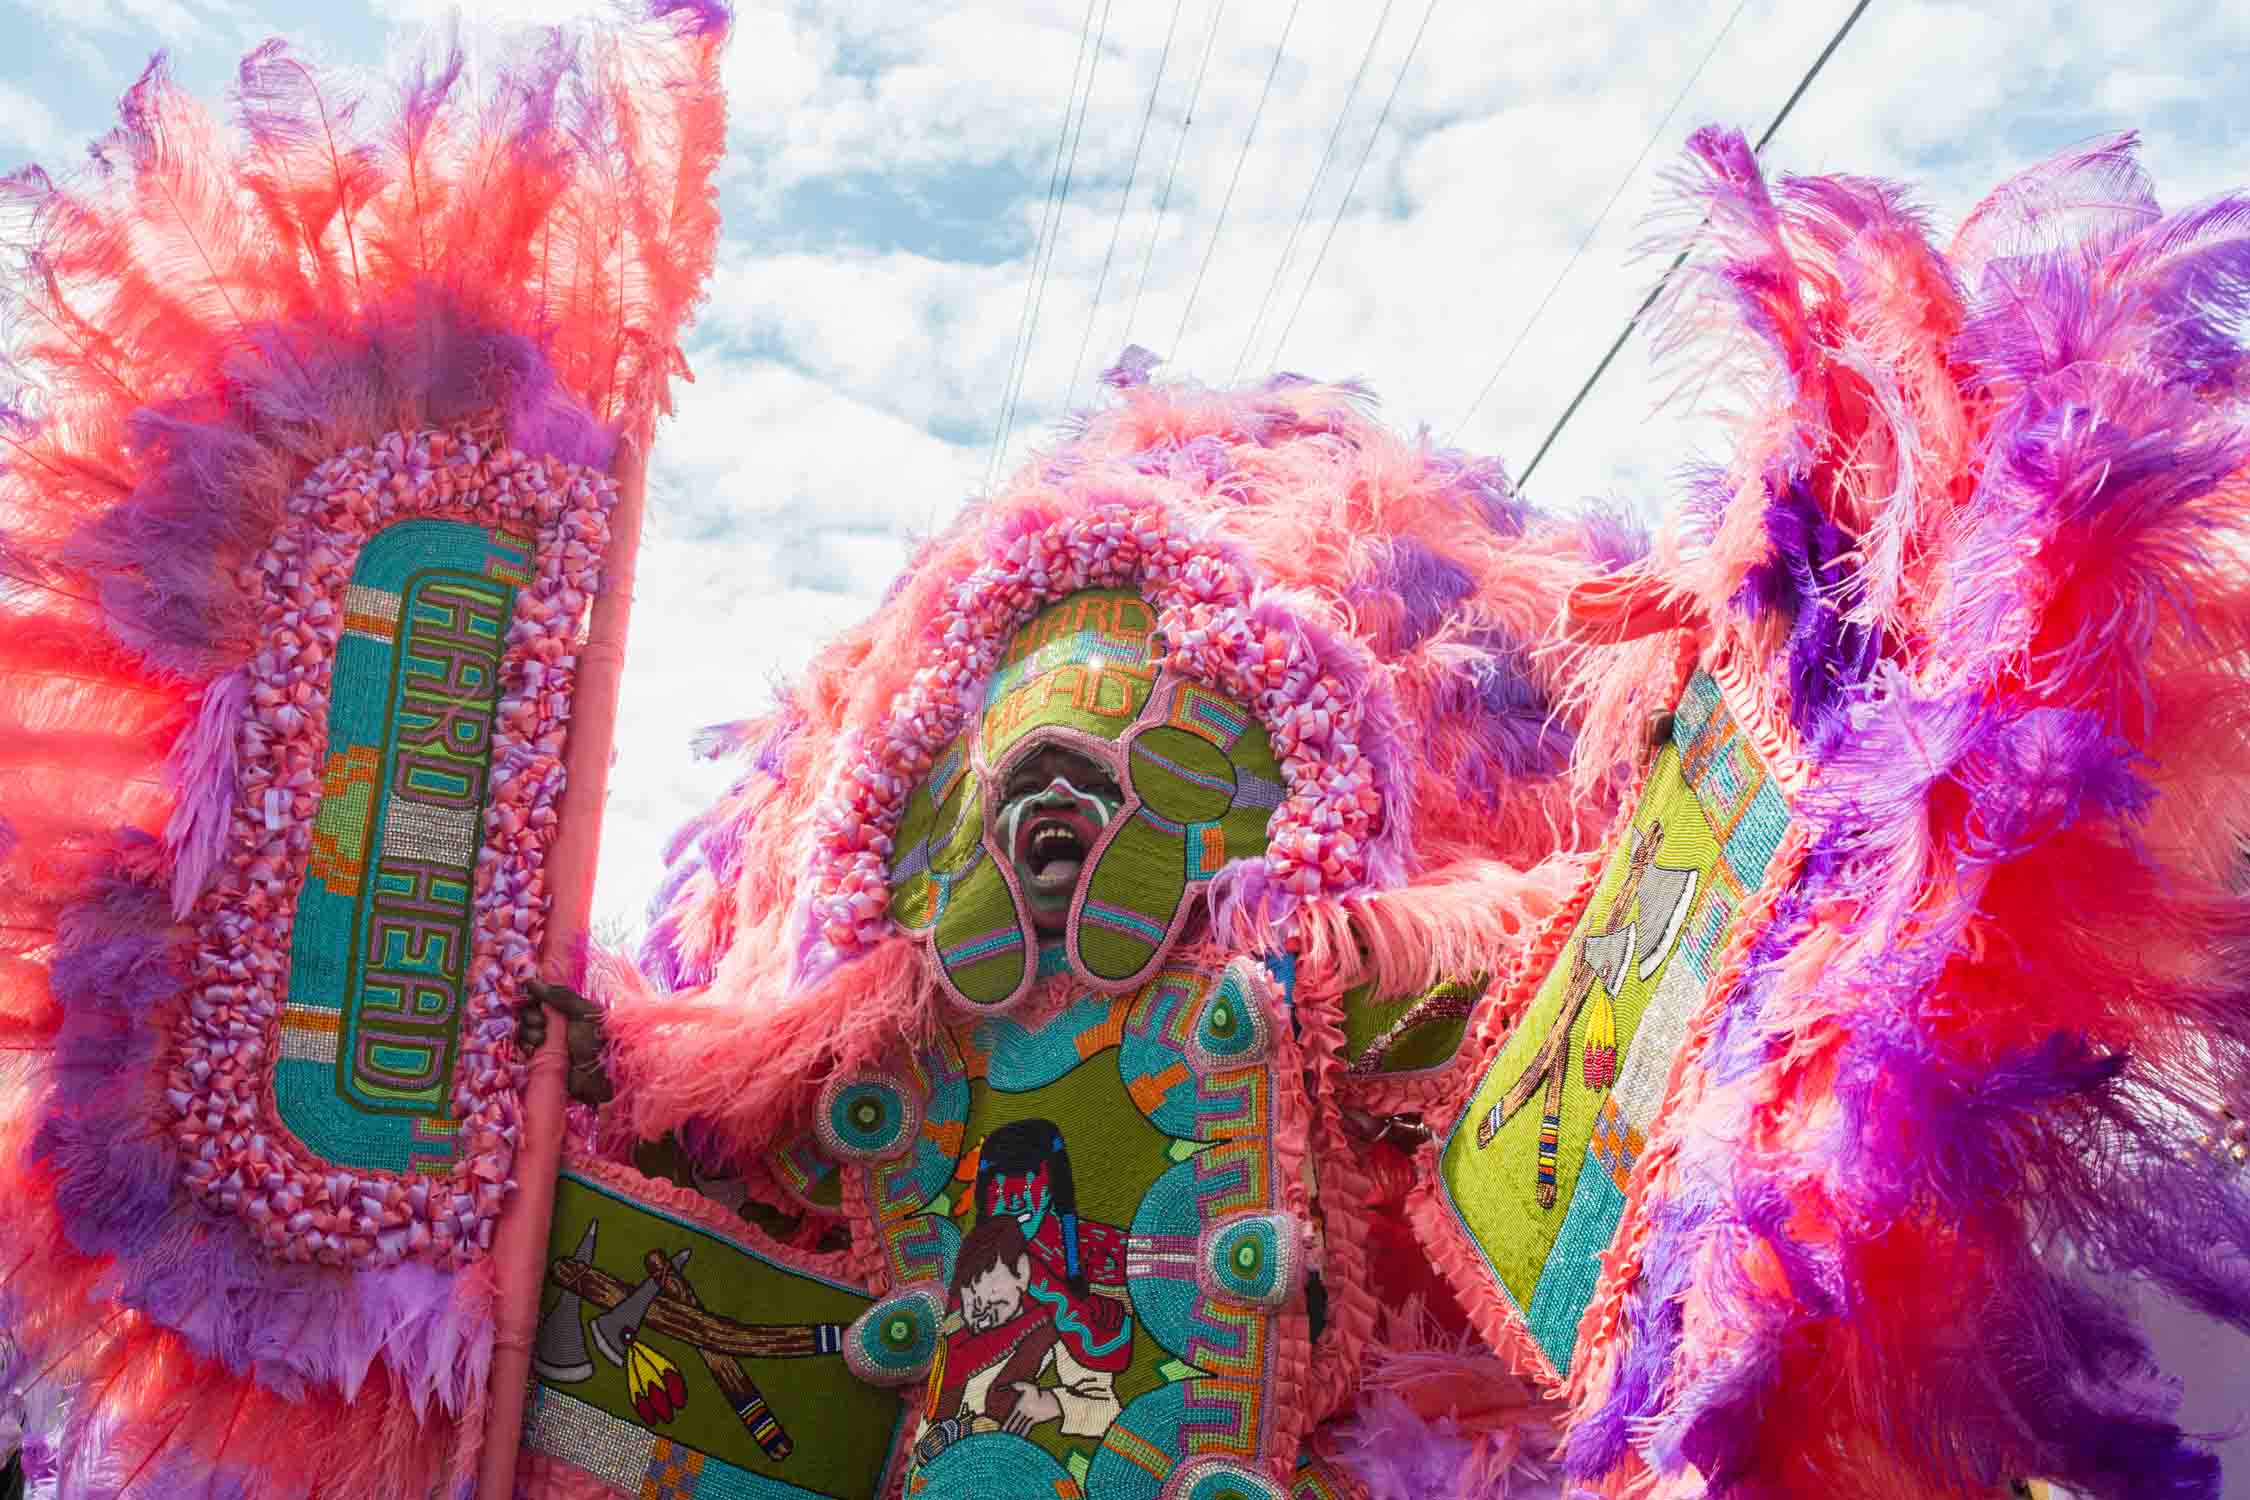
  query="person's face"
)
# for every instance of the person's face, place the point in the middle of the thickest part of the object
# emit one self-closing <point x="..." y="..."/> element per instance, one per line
<point x="992" y="1298"/>
<point x="1053" y="807"/>
<point x="1026" y="1195"/>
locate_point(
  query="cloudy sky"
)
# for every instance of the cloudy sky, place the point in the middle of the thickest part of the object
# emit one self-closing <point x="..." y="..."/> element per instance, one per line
<point x="888" y="180"/>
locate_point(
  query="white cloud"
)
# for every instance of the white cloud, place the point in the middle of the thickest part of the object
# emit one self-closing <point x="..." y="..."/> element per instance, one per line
<point x="151" y="23"/>
<point x="890" y="162"/>
<point x="29" y="126"/>
<point x="921" y="339"/>
<point x="779" y="512"/>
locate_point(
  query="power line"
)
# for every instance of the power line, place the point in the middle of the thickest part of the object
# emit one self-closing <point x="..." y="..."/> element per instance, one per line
<point x="1304" y="210"/>
<point x="1228" y="201"/>
<point x="1008" y="415"/>
<point x="1353" y="186"/>
<point x="1599" y="219"/>
<point x="1681" y="259"/>
<point x="1038" y="249"/>
<point x="1187" y="119"/>
<point x="1070" y="393"/>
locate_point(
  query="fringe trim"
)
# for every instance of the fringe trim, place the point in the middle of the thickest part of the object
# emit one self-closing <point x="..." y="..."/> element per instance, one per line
<point x="1347" y="1199"/>
<point x="1436" y="1223"/>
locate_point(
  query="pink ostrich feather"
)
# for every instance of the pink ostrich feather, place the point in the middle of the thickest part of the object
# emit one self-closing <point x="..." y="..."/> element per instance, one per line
<point x="1982" y="538"/>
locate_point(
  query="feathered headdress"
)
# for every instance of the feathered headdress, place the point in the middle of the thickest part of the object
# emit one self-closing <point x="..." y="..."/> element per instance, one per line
<point x="1372" y="600"/>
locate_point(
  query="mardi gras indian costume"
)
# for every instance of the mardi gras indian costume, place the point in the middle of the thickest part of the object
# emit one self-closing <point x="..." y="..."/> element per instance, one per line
<point x="1266" y="967"/>
<point x="1277" y="969"/>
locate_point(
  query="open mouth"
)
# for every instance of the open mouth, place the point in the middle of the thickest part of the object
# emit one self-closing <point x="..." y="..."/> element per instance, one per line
<point x="1051" y="848"/>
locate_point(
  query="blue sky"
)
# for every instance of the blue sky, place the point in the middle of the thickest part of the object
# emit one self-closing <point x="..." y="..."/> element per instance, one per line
<point x="888" y="167"/>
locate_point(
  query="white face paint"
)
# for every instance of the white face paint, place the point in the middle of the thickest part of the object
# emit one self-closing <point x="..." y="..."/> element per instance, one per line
<point x="1056" y="803"/>
<point x="1058" y="793"/>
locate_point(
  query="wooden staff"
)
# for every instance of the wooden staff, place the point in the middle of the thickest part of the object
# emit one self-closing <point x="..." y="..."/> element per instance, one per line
<point x="521" y="1241"/>
<point x="734" y="1382"/>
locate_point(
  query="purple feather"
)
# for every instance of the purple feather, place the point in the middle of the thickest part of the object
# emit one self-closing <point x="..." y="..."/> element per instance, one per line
<point x="696" y="17"/>
<point x="201" y="772"/>
<point x="116" y="949"/>
<point x="1511" y="733"/>
<point x="2096" y="192"/>
<point x="2037" y="773"/>
<point x="1613" y="538"/>
<point x="214" y="477"/>
<point x="1428" y="586"/>
<point x="1653" y="1332"/>
<point x="118" y="958"/>
<point x="1808" y="577"/>
<point x="1245" y="898"/>
<point x="115" y="1181"/>
<point x="2190" y="278"/>
<point x="280" y="104"/>
<point x="423" y="93"/>
<point x="1482" y="484"/>
<point x="1131" y="369"/>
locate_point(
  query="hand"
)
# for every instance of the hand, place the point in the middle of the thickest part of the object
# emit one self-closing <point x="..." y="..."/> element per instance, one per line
<point x="1033" y="1406"/>
<point x="582" y="1037"/>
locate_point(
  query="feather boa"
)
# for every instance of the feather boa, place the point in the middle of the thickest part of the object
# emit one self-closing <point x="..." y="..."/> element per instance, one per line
<point x="207" y="319"/>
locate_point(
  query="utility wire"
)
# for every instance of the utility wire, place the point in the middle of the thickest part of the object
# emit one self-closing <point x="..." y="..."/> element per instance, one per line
<point x="1228" y="201"/>
<point x="1599" y="219"/>
<point x="1304" y="211"/>
<point x="1353" y="186"/>
<point x="1038" y="249"/>
<point x="1008" y="413"/>
<point x="1070" y="394"/>
<point x="1187" y="119"/>
<point x="1681" y="259"/>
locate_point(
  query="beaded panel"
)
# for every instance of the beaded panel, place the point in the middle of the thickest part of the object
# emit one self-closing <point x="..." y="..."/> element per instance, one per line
<point x="344" y="1078"/>
<point x="379" y="957"/>
<point x="684" y="1355"/>
<point x="1538" y="1167"/>
<point x="1108" y="1201"/>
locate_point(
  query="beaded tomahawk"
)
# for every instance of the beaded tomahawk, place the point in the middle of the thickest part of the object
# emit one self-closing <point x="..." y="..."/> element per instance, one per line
<point x="1665" y="898"/>
<point x="315" y="523"/>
